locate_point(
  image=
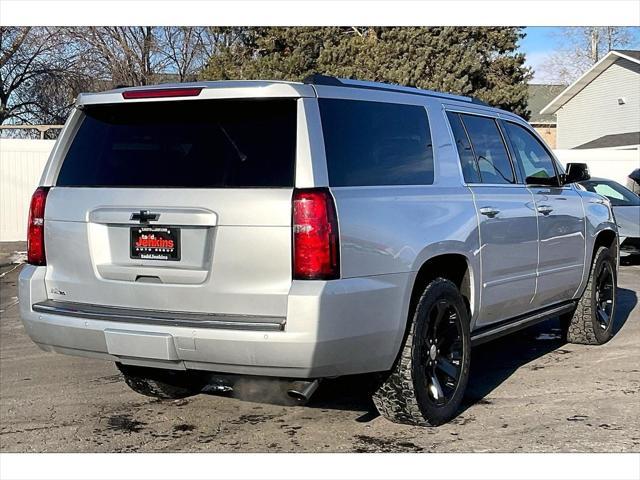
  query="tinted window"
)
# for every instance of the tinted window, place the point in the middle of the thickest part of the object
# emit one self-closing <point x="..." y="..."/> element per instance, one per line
<point x="531" y="156"/>
<point x="465" y="152"/>
<point x="491" y="154"/>
<point x="203" y="143"/>
<point x="370" y="143"/>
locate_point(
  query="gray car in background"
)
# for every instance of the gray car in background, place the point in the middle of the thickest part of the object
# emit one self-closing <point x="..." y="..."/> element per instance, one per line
<point x="626" y="209"/>
<point x="195" y="232"/>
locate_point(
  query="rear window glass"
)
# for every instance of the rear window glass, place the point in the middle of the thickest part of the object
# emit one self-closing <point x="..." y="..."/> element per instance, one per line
<point x="491" y="153"/>
<point x="184" y="144"/>
<point x="468" y="162"/>
<point x="372" y="143"/>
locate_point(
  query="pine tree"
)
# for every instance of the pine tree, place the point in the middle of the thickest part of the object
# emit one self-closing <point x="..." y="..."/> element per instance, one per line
<point x="477" y="61"/>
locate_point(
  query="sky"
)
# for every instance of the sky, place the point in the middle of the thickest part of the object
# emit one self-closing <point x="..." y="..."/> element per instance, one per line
<point x="540" y="42"/>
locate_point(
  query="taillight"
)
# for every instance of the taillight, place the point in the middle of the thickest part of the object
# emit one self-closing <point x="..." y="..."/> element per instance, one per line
<point x="35" y="233"/>
<point x="315" y="235"/>
<point x="161" y="93"/>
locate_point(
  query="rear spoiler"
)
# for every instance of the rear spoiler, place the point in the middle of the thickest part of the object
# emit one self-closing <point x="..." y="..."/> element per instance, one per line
<point x="206" y="90"/>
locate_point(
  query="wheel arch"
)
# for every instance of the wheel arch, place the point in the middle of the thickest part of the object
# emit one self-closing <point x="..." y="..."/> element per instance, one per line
<point x="456" y="267"/>
<point x="452" y="266"/>
<point x="605" y="237"/>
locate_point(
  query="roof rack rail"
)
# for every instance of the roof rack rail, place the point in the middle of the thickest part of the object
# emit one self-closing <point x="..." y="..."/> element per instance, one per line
<point x="327" y="80"/>
<point x="319" y="79"/>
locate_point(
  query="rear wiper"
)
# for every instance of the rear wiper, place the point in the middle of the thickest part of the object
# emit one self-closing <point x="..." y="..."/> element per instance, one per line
<point x="241" y="155"/>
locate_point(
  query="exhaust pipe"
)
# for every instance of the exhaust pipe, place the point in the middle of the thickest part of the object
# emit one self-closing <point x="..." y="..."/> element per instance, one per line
<point x="302" y="390"/>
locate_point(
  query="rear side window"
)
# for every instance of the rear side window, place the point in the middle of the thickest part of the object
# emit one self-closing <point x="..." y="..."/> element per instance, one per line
<point x="490" y="151"/>
<point x="372" y="143"/>
<point x="465" y="152"/>
<point x="184" y="144"/>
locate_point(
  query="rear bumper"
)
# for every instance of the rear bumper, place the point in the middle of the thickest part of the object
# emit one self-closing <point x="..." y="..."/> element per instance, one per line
<point x="332" y="328"/>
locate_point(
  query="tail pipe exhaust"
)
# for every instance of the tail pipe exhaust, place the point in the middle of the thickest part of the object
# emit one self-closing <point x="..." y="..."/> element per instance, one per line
<point x="302" y="390"/>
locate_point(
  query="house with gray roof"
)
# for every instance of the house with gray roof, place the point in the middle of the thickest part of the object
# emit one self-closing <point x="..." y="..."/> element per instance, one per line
<point x="539" y="97"/>
<point x="601" y="109"/>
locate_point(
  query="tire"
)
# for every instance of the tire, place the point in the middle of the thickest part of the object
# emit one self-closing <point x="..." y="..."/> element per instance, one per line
<point x="588" y="325"/>
<point x="408" y="393"/>
<point x="162" y="383"/>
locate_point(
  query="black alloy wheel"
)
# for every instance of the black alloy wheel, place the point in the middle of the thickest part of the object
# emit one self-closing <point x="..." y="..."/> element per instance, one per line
<point x="428" y="380"/>
<point x="592" y="320"/>
<point x="604" y="295"/>
<point x="442" y="352"/>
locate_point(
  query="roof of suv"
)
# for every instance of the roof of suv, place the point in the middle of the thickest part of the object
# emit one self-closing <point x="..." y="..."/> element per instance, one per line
<point x="269" y="88"/>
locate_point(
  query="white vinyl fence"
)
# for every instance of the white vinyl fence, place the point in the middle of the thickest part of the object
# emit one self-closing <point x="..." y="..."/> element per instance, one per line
<point x="21" y="164"/>
<point x="603" y="162"/>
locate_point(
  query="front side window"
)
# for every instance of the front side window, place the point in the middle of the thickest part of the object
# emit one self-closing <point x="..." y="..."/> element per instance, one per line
<point x="491" y="154"/>
<point x="531" y="156"/>
<point x="373" y="143"/>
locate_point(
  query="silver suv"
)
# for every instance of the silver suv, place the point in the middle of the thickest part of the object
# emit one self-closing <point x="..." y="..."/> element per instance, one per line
<point x="305" y="231"/>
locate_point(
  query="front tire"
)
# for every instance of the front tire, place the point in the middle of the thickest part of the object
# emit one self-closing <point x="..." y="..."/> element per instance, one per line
<point x="427" y="383"/>
<point x="162" y="383"/>
<point x="592" y="321"/>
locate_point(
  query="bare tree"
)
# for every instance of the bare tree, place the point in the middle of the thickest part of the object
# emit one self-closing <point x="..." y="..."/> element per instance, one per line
<point x="123" y="55"/>
<point x="29" y="58"/>
<point x="185" y="50"/>
<point x="43" y="69"/>
<point x="580" y="48"/>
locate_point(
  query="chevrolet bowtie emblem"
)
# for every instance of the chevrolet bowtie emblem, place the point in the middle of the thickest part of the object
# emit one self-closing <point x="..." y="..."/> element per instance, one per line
<point x="144" y="216"/>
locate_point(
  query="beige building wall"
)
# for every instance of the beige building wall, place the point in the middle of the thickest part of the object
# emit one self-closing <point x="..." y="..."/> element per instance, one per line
<point x="548" y="133"/>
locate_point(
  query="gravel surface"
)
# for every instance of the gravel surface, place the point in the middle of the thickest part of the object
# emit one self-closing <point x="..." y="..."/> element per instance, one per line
<point x="529" y="392"/>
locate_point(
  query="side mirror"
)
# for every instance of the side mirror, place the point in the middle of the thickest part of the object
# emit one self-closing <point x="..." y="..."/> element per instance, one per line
<point x="577" y="172"/>
<point x="542" y="181"/>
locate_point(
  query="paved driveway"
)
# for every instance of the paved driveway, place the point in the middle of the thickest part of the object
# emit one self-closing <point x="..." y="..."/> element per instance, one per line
<point x="529" y="392"/>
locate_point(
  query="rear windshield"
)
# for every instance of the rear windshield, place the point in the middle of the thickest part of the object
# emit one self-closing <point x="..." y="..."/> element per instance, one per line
<point x="185" y="144"/>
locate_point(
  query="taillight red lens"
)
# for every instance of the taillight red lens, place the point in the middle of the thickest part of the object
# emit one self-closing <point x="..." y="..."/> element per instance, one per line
<point x="35" y="233"/>
<point x="161" y="93"/>
<point x="315" y="235"/>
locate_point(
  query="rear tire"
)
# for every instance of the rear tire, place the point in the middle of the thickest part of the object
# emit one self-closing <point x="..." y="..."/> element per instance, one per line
<point x="162" y="383"/>
<point x="427" y="383"/>
<point x="592" y="321"/>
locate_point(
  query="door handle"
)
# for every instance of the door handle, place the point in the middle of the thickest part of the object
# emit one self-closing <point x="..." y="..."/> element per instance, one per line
<point x="545" y="209"/>
<point x="489" y="211"/>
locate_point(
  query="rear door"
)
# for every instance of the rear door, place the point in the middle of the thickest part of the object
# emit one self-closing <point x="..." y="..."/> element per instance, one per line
<point x="176" y="205"/>
<point x="506" y="216"/>
<point x="560" y="219"/>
